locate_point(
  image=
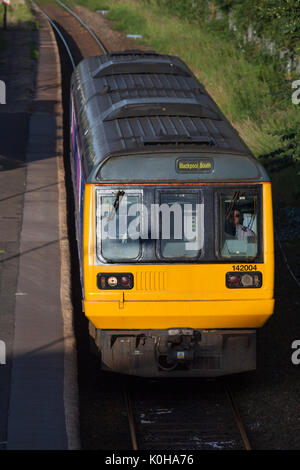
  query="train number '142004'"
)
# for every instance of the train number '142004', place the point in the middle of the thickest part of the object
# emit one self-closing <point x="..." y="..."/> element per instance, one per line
<point x="244" y="267"/>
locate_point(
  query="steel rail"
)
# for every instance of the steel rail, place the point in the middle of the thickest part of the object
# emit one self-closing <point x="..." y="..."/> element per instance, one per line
<point x="236" y="414"/>
<point x="58" y="32"/>
<point x="286" y="260"/>
<point x="92" y="33"/>
<point x="237" y="418"/>
<point x="131" y="420"/>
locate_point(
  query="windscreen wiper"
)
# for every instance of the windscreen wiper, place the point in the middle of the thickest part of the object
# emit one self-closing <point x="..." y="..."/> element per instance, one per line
<point x="232" y="204"/>
<point x="116" y="204"/>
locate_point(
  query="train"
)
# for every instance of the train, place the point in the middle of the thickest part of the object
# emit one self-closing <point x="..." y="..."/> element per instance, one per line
<point x="174" y="221"/>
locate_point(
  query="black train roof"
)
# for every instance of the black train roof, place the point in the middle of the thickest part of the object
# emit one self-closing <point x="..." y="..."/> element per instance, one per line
<point x="144" y="103"/>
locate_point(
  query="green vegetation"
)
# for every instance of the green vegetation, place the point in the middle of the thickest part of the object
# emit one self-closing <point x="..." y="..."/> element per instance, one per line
<point x="95" y="4"/>
<point x="34" y="50"/>
<point x="274" y="19"/>
<point x="251" y="87"/>
<point x="19" y="15"/>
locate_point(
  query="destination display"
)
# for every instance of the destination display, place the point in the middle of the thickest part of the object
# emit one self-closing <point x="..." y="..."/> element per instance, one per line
<point x="195" y="165"/>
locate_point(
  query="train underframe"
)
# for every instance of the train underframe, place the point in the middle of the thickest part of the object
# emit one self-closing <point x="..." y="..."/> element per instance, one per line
<point x="176" y="352"/>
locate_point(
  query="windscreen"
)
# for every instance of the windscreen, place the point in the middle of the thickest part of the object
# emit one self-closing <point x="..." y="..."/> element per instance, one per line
<point x="164" y="225"/>
<point x="184" y="224"/>
<point x="181" y="225"/>
<point x="118" y="222"/>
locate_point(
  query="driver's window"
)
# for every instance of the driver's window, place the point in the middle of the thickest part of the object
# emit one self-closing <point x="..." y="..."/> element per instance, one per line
<point x="238" y="225"/>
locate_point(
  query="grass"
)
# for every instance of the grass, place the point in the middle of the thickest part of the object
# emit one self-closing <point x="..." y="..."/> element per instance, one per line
<point x="95" y="4"/>
<point x="250" y="88"/>
<point x="34" y="50"/>
<point x="19" y="15"/>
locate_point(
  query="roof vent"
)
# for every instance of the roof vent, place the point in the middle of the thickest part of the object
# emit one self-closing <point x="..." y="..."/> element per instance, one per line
<point x="133" y="52"/>
<point x="160" y="107"/>
<point x="180" y="140"/>
<point x="139" y="66"/>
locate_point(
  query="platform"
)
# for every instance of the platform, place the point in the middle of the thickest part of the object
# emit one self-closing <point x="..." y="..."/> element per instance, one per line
<point x="38" y="383"/>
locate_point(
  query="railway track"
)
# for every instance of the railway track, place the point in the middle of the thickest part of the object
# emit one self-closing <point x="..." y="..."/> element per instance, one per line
<point x="205" y="418"/>
<point x="68" y="42"/>
<point x="83" y="23"/>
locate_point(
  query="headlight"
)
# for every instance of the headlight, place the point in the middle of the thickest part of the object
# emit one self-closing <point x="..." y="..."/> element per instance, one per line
<point x="109" y="281"/>
<point x="240" y="280"/>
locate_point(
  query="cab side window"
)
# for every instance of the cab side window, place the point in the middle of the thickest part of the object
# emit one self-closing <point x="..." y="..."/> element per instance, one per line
<point x="238" y="225"/>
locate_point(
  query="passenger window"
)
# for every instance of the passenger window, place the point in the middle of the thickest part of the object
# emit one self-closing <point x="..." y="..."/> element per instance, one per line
<point x="238" y="225"/>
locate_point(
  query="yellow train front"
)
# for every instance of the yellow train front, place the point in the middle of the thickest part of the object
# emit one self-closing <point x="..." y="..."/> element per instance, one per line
<point x="173" y="218"/>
